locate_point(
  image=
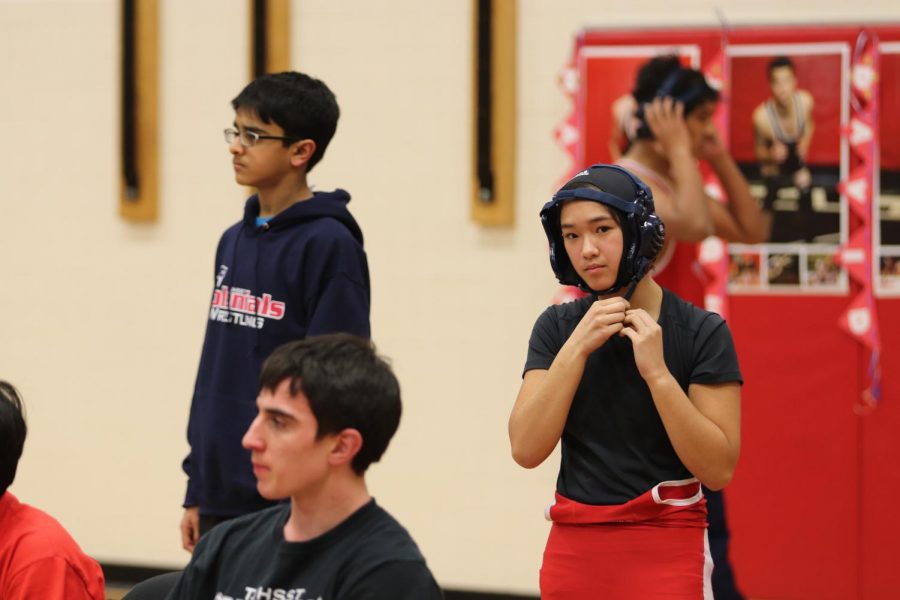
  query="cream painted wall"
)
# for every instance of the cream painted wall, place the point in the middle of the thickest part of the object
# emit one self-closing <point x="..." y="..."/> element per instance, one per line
<point x="103" y="320"/>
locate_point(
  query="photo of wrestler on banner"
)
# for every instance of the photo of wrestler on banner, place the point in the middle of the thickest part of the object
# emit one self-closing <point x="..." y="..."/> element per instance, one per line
<point x="788" y="106"/>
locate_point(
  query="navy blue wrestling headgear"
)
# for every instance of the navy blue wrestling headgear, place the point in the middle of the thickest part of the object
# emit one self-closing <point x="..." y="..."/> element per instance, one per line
<point x="685" y="85"/>
<point x="642" y="231"/>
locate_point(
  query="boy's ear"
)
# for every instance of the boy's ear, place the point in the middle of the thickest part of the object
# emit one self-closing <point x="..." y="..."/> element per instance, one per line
<point x="347" y="444"/>
<point x="302" y="151"/>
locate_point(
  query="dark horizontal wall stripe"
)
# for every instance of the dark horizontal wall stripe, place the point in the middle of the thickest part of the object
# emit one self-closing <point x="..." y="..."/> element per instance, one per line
<point x="128" y="575"/>
<point x="458" y="595"/>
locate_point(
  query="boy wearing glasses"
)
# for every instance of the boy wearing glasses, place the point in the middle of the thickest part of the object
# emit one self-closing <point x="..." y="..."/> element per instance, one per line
<point x="293" y="267"/>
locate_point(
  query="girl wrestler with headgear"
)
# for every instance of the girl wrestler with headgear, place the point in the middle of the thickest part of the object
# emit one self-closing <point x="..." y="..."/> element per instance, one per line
<point x="643" y="391"/>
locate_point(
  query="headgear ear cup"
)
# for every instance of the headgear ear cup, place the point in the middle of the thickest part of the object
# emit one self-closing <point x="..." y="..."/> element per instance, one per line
<point x="651" y="237"/>
<point x="659" y="236"/>
<point x="559" y="261"/>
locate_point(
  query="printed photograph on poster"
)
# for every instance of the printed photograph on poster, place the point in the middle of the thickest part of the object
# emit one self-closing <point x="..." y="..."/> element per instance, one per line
<point x="788" y="105"/>
<point x="887" y="229"/>
<point x="889" y="274"/>
<point x="783" y="269"/>
<point x="605" y="107"/>
<point x="822" y="270"/>
<point x="744" y="270"/>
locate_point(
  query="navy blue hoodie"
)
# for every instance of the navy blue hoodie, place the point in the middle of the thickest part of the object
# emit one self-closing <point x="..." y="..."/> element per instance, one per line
<point x="303" y="273"/>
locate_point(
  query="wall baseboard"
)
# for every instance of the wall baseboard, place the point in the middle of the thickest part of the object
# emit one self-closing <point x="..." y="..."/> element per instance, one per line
<point x="128" y="575"/>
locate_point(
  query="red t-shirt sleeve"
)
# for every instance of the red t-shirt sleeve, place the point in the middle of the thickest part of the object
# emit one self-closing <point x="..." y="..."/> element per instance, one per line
<point x="54" y="578"/>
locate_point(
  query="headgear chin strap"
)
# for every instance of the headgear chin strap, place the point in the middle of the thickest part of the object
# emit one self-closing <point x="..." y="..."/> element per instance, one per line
<point x="643" y="231"/>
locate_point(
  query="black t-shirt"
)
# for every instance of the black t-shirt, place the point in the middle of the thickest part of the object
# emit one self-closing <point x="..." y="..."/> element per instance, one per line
<point x="614" y="445"/>
<point x="369" y="556"/>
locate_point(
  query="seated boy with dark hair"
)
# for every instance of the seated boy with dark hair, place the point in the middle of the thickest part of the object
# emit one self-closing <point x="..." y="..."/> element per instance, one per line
<point x="327" y="408"/>
<point x="38" y="558"/>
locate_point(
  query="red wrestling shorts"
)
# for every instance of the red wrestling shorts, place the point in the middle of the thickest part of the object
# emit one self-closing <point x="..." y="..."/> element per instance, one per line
<point x="653" y="546"/>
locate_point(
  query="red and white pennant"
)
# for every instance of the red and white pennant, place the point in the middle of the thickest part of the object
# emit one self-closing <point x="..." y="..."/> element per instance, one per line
<point x="712" y="253"/>
<point x="860" y="319"/>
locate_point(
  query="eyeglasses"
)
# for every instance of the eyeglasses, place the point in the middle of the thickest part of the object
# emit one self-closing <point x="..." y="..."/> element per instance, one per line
<point x="248" y="139"/>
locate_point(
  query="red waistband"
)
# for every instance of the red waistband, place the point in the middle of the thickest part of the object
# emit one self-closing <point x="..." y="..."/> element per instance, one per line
<point x="667" y="504"/>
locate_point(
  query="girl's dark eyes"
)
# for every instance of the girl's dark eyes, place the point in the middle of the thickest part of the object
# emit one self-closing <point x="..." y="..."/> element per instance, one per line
<point x="600" y="229"/>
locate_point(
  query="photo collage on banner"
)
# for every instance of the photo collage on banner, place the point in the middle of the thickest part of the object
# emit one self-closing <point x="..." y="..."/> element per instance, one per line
<point x="785" y="113"/>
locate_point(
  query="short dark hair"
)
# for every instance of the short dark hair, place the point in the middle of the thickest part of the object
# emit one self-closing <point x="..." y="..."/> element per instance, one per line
<point x="346" y="383"/>
<point x="12" y="434"/>
<point x="301" y="105"/>
<point x="779" y="62"/>
<point x="684" y="84"/>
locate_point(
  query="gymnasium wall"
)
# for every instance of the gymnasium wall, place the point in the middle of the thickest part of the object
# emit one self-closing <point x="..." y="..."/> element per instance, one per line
<point x="103" y="320"/>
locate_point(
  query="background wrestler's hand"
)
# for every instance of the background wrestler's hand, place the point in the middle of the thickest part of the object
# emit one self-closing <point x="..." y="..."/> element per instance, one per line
<point x="712" y="147"/>
<point x="602" y="320"/>
<point x="665" y="118"/>
<point x="190" y="528"/>
<point x="802" y="178"/>
<point x="646" y="340"/>
<point x="779" y="151"/>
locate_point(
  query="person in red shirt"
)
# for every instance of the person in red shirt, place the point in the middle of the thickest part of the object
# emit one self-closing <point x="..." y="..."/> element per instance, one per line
<point x="38" y="557"/>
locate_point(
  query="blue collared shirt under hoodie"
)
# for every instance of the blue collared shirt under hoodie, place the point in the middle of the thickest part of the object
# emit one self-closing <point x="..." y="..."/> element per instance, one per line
<point x="302" y="273"/>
